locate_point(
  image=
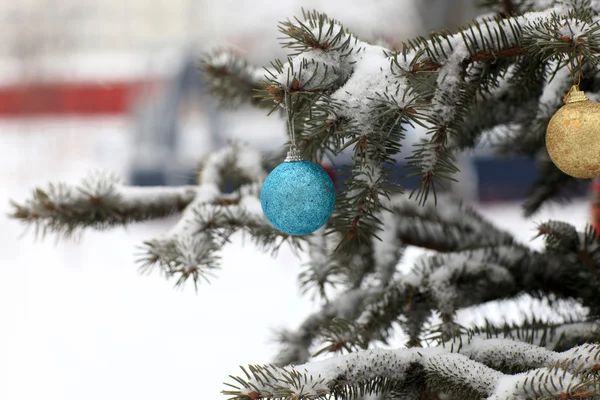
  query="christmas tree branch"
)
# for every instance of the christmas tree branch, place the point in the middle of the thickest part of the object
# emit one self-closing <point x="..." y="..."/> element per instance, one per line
<point x="448" y="282"/>
<point x="556" y="337"/>
<point x="189" y="249"/>
<point x="550" y="184"/>
<point x="467" y="370"/>
<point x="445" y="283"/>
<point x="333" y="68"/>
<point x="482" y="264"/>
<point x="209" y="217"/>
<point x="99" y="202"/>
<point x="355" y="70"/>
<point x="232" y="79"/>
<point x="449" y="226"/>
<point x="325" y="268"/>
<point x="296" y="344"/>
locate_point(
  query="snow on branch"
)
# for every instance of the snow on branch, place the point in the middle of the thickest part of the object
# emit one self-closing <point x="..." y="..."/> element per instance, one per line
<point x="232" y="78"/>
<point x="479" y="264"/>
<point x="99" y="202"/>
<point x="296" y="344"/>
<point x="445" y="282"/>
<point x="236" y="158"/>
<point x="358" y="78"/>
<point x="189" y="249"/>
<point x="467" y="370"/>
<point x="451" y="226"/>
<point x="557" y="337"/>
<point x="448" y="226"/>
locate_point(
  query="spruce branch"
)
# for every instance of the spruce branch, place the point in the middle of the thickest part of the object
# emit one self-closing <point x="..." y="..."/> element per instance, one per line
<point x="332" y="68"/>
<point x="323" y="271"/>
<point x="451" y="226"/>
<point x="552" y="336"/>
<point x="232" y="79"/>
<point x="98" y="202"/>
<point x="450" y="281"/>
<point x="459" y="63"/>
<point x="296" y="344"/>
<point x="341" y="335"/>
<point x="190" y="249"/>
<point x="208" y="217"/>
<point x="445" y="283"/>
<point x="468" y="370"/>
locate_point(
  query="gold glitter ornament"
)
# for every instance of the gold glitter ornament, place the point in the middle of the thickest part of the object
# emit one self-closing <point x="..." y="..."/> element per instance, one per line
<point x="573" y="136"/>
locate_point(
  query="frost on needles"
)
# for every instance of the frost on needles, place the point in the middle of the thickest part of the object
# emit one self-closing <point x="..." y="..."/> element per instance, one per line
<point x="500" y="78"/>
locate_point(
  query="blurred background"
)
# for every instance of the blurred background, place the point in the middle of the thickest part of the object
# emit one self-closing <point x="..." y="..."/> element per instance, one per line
<point x="111" y="84"/>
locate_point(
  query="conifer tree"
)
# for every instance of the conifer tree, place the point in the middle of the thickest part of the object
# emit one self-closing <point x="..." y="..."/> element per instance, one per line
<point x="502" y="75"/>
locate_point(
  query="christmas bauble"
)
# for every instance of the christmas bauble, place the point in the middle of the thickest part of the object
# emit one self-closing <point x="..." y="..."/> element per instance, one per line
<point x="573" y="136"/>
<point x="298" y="197"/>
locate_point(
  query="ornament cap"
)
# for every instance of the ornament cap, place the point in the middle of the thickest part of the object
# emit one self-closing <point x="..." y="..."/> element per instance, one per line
<point x="293" y="155"/>
<point x="575" y="95"/>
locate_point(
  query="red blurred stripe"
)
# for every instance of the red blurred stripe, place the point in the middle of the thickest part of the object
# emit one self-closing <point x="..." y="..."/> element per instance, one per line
<point x="70" y="98"/>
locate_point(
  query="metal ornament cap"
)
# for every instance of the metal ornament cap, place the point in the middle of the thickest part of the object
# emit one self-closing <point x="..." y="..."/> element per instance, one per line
<point x="293" y="155"/>
<point x="576" y="95"/>
<point x="573" y="136"/>
<point x="298" y="197"/>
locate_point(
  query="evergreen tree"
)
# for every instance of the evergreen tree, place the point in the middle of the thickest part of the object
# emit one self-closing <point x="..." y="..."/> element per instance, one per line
<point x="503" y="74"/>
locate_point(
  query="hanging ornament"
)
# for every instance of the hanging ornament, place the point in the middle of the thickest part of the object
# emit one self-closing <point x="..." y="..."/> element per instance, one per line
<point x="573" y="133"/>
<point x="298" y="196"/>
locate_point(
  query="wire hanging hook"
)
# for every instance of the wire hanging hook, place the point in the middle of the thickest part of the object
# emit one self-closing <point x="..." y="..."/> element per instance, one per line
<point x="290" y="120"/>
<point x="576" y="81"/>
<point x="293" y="153"/>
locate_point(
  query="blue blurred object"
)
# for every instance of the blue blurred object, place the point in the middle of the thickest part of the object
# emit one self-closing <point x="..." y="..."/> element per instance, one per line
<point x="298" y="197"/>
<point x="498" y="179"/>
<point x="501" y="179"/>
<point x="158" y="128"/>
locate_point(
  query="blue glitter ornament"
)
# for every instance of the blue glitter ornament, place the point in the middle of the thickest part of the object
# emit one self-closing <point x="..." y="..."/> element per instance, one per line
<point x="298" y="196"/>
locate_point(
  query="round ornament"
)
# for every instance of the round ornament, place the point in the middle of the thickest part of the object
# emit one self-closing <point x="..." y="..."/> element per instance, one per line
<point x="298" y="196"/>
<point x="573" y="136"/>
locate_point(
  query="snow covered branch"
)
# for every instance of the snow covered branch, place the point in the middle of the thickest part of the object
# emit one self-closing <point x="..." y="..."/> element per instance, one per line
<point x="369" y="93"/>
<point x="209" y="217"/>
<point x="231" y="78"/>
<point x="557" y="337"/>
<point x="448" y="226"/>
<point x="478" y="263"/>
<point x="468" y="370"/>
<point x="364" y="95"/>
<point x="99" y="202"/>
<point x="189" y="249"/>
<point x="451" y="281"/>
<point x="296" y="345"/>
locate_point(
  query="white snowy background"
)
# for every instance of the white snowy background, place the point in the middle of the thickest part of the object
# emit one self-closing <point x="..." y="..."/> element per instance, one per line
<point x="77" y="320"/>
